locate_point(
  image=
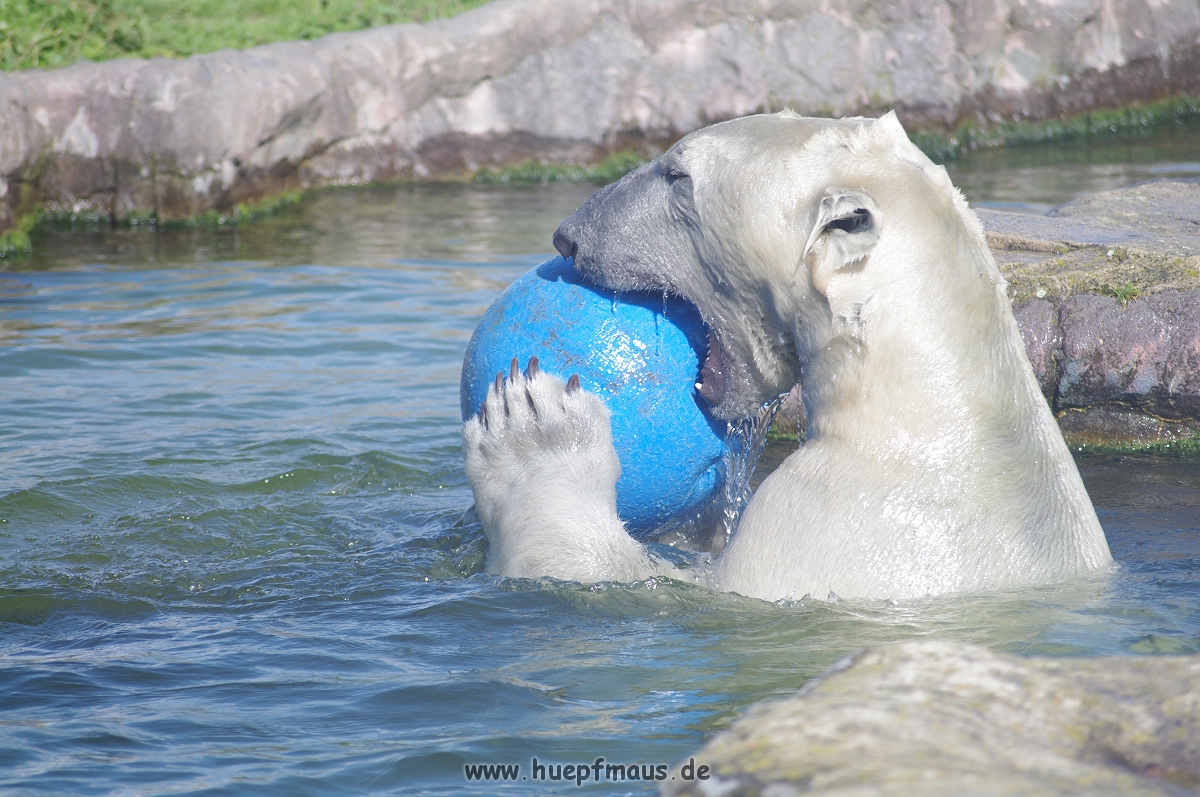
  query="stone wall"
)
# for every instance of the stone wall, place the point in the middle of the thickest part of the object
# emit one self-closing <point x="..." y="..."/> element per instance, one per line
<point x="557" y="81"/>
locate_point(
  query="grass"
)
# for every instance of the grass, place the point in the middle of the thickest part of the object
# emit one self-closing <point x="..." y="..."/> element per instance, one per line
<point x="53" y="33"/>
<point x="1133" y="120"/>
<point x="1125" y="293"/>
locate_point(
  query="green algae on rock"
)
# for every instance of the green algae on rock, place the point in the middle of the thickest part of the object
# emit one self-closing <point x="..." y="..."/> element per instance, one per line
<point x="611" y="168"/>
<point x="17" y="241"/>
<point x="1135" y="119"/>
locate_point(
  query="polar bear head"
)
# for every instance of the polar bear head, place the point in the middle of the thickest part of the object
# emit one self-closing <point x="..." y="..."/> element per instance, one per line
<point x="799" y="240"/>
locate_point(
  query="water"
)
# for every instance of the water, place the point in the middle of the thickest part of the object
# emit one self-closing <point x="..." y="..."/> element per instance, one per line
<point x="234" y="554"/>
<point x="746" y="439"/>
<point x="1036" y="179"/>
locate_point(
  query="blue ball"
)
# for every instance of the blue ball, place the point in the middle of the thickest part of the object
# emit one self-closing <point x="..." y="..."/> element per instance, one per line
<point x="641" y="354"/>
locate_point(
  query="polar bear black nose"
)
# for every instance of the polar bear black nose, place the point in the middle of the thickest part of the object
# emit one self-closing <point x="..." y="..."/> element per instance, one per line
<point x="564" y="243"/>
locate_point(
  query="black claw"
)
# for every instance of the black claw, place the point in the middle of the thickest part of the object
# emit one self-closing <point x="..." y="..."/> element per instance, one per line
<point x="533" y="367"/>
<point x="514" y="370"/>
<point x="573" y="383"/>
<point x="499" y="381"/>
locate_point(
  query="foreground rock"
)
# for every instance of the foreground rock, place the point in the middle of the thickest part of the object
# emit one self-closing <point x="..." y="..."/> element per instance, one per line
<point x="559" y="81"/>
<point x="1142" y="239"/>
<point x="936" y="718"/>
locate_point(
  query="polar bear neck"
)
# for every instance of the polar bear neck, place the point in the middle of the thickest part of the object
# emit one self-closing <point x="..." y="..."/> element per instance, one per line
<point x="930" y="359"/>
<point x="932" y="465"/>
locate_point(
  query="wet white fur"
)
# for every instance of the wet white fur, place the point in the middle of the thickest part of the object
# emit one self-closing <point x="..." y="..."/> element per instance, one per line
<point x="544" y="471"/>
<point x="933" y="464"/>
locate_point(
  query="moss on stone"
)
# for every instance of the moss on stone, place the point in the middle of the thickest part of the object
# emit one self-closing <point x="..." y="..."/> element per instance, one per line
<point x="242" y="213"/>
<point x="779" y="433"/>
<point x="1185" y="448"/>
<point x="17" y="241"/>
<point x="1133" y="120"/>
<point x="612" y="168"/>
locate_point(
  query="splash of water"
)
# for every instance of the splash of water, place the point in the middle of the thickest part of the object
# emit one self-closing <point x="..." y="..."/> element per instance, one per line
<point x="744" y="441"/>
<point x="710" y="529"/>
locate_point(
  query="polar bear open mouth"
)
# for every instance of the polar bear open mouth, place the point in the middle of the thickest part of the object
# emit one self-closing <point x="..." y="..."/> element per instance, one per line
<point x="626" y="237"/>
<point x="711" y="384"/>
<point x="601" y="268"/>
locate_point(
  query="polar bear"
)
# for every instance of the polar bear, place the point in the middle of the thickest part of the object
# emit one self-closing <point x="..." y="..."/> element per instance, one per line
<point x="836" y="253"/>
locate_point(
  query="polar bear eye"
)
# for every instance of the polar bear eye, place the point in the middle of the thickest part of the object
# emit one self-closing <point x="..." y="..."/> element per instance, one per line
<point x="673" y="173"/>
<point x="858" y="221"/>
<point x="674" y="176"/>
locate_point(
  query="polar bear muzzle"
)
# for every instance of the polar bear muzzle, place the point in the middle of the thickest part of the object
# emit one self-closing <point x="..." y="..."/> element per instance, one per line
<point x="646" y="232"/>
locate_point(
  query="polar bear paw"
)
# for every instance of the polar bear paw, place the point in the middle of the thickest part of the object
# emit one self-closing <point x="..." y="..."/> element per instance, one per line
<point x="541" y="463"/>
<point x="533" y="424"/>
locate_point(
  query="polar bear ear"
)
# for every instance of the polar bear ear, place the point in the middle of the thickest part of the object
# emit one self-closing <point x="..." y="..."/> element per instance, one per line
<point x="889" y="124"/>
<point x="845" y="231"/>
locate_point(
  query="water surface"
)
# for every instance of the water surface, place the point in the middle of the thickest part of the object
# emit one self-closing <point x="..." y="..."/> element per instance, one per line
<point x="233" y="554"/>
<point x="1035" y="179"/>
